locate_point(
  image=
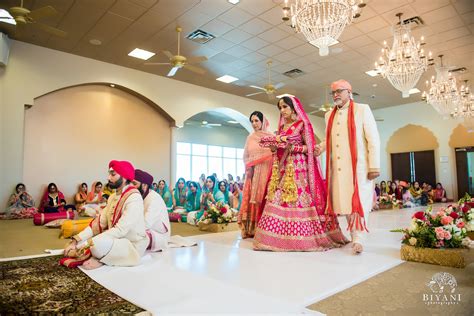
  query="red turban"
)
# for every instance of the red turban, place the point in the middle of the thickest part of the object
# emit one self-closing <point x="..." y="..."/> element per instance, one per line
<point x="341" y="84"/>
<point x="123" y="168"/>
<point x="143" y="177"/>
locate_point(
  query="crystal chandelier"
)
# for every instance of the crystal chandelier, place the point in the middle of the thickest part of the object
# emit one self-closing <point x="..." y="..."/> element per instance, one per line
<point x="443" y="94"/>
<point x="465" y="109"/>
<point x="321" y="21"/>
<point x="405" y="62"/>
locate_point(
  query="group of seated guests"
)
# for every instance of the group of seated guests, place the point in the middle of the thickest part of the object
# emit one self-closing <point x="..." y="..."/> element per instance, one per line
<point x="188" y="200"/>
<point x="407" y="194"/>
<point x="187" y="197"/>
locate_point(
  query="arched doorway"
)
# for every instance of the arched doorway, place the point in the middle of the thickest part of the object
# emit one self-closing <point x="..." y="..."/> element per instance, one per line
<point x="462" y="141"/>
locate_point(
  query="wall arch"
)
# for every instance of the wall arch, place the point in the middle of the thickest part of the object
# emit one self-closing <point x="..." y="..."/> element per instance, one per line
<point x="412" y="138"/>
<point x="123" y="88"/>
<point x="461" y="137"/>
<point x="73" y="133"/>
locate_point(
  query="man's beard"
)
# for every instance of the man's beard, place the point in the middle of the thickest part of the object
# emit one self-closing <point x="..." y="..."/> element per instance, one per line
<point x="337" y="102"/>
<point x="117" y="184"/>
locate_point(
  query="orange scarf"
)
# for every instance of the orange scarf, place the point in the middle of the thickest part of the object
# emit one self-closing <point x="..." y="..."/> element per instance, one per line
<point x="357" y="215"/>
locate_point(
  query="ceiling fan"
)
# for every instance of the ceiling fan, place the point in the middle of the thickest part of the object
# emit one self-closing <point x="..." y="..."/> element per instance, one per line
<point x="269" y="89"/>
<point x="178" y="61"/>
<point x="326" y="107"/>
<point x="21" y="17"/>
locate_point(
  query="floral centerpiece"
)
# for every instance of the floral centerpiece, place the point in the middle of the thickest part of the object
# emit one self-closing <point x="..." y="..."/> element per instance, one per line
<point x="437" y="238"/>
<point x="386" y="202"/>
<point x="216" y="217"/>
<point x="467" y="206"/>
<point x="466" y="200"/>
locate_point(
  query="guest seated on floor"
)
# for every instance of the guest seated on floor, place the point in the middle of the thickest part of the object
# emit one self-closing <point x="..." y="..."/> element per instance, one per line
<point x="154" y="187"/>
<point x="107" y="191"/>
<point x="20" y="205"/>
<point x="53" y="201"/>
<point x="81" y="196"/>
<point x="179" y="194"/>
<point x="207" y="196"/>
<point x="157" y="223"/>
<point x="236" y="197"/>
<point x="416" y="192"/>
<point x="222" y="194"/>
<point x="165" y="194"/>
<point x="439" y="194"/>
<point x="427" y="194"/>
<point x="193" y="200"/>
<point x="117" y="237"/>
<point x="94" y="201"/>
<point x="407" y="199"/>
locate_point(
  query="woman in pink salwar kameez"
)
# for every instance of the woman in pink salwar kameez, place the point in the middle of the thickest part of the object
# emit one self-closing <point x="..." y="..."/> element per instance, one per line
<point x="293" y="218"/>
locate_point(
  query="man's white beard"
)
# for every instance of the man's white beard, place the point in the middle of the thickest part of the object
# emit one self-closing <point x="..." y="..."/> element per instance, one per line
<point x="338" y="102"/>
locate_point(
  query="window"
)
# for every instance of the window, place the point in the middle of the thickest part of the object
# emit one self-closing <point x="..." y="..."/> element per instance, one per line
<point x="194" y="159"/>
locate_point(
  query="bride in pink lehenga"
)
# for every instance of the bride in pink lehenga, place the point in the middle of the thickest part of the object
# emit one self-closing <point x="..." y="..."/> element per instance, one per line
<point x="293" y="218"/>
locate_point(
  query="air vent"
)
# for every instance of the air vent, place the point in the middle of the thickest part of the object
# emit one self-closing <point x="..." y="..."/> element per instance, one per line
<point x="201" y="37"/>
<point x="293" y="73"/>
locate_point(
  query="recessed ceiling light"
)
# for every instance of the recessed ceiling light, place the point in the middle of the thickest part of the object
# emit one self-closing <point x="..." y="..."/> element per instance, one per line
<point x="95" y="42"/>
<point x="8" y="18"/>
<point x="234" y="1"/>
<point x="204" y="122"/>
<point x="141" y="53"/>
<point x="414" y="91"/>
<point x="112" y="85"/>
<point x="372" y="73"/>
<point x="227" y="79"/>
<point x="284" y="95"/>
<point x="233" y="122"/>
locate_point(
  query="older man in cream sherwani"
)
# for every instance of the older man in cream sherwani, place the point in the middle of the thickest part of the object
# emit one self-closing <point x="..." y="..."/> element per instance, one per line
<point x="352" y="160"/>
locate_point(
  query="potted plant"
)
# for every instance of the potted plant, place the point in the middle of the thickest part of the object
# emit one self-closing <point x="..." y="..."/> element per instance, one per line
<point x="216" y="218"/>
<point x="437" y="238"/>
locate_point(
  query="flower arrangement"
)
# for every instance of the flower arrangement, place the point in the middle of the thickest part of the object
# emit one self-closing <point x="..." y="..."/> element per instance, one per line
<point x="219" y="213"/>
<point x="467" y="212"/>
<point x="444" y="229"/>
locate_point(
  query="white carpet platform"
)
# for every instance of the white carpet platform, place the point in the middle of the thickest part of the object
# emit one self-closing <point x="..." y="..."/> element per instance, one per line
<point x="224" y="275"/>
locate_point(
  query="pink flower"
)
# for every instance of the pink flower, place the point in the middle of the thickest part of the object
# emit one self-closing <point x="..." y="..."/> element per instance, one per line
<point x="439" y="233"/>
<point x="439" y="244"/>
<point x="460" y="224"/>
<point x="440" y="214"/>
<point x="447" y="235"/>
<point x="446" y="220"/>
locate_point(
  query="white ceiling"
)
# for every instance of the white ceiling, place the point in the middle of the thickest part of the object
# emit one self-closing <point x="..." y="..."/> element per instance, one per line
<point x="250" y="33"/>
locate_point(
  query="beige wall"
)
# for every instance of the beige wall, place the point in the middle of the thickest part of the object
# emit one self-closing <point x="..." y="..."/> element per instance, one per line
<point x="424" y="115"/>
<point x="72" y="134"/>
<point x="411" y="138"/>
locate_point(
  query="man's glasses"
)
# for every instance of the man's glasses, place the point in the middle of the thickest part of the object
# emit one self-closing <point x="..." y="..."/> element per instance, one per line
<point x="338" y="91"/>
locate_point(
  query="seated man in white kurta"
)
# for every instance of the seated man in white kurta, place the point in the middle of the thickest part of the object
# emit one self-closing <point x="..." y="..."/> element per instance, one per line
<point x="157" y="221"/>
<point x="352" y="160"/>
<point x="117" y="235"/>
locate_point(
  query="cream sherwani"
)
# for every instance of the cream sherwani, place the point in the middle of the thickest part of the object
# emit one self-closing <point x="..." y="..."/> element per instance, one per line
<point x="157" y="221"/>
<point x="124" y="243"/>
<point x="340" y="179"/>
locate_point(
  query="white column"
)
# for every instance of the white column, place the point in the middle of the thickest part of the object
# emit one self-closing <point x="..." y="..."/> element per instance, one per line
<point x="172" y="178"/>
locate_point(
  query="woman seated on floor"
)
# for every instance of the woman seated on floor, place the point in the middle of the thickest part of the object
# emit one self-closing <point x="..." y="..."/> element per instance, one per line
<point x="207" y="197"/>
<point x="94" y="200"/>
<point x="179" y="195"/>
<point x="53" y="201"/>
<point x="236" y="197"/>
<point x="191" y="204"/>
<point x="222" y="194"/>
<point x="439" y="194"/>
<point x="81" y="196"/>
<point x="20" y="205"/>
<point x="416" y="192"/>
<point x="165" y="194"/>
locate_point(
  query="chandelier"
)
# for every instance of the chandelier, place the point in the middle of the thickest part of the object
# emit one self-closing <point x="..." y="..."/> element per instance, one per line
<point x="405" y="62"/>
<point x="321" y="21"/>
<point x="465" y="109"/>
<point x="443" y="94"/>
